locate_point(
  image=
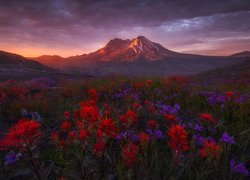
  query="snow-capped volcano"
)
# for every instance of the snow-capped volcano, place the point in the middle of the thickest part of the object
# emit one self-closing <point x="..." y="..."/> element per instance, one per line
<point x="135" y="49"/>
<point x="138" y="56"/>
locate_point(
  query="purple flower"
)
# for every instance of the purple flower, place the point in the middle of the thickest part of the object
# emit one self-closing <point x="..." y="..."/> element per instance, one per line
<point x="158" y="134"/>
<point x="155" y="133"/>
<point x="11" y="158"/>
<point x="149" y="131"/>
<point x="227" y="139"/>
<point x="121" y="135"/>
<point x="197" y="127"/>
<point x="134" y="137"/>
<point x="190" y="125"/>
<point x="169" y="109"/>
<point x="239" y="168"/>
<point x="198" y="139"/>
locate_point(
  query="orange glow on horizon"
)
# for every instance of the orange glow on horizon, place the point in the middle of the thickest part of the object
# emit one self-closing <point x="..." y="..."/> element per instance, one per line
<point x="67" y="52"/>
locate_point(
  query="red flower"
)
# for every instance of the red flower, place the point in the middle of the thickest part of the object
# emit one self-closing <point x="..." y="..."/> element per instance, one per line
<point x="79" y="124"/>
<point x="82" y="135"/>
<point x="66" y="115"/>
<point x="207" y="117"/>
<point x="129" y="118"/>
<point x="147" y="102"/>
<point x="23" y="132"/>
<point x="229" y="94"/>
<point x="149" y="82"/>
<point x="71" y="136"/>
<point x="150" y="106"/>
<point x="62" y="143"/>
<point x="65" y="126"/>
<point x="136" y="105"/>
<point x="54" y="136"/>
<point x="144" y="138"/>
<point x="152" y="124"/>
<point x="178" y="138"/>
<point x="108" y="127"/>
<point x="210" y="149"/>
<point x="93" y="94"/>
<point x="129" y="155"/>
<point x="99" y="147"/>
<point x="170" y="117"/>
<point x="89" y="112"/>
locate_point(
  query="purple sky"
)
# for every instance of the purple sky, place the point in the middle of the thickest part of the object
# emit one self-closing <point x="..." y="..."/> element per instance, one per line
<point x="71" y="27"/>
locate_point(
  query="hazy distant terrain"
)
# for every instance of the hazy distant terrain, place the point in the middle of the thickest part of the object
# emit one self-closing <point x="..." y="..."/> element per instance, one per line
<point x="136" y="57"/>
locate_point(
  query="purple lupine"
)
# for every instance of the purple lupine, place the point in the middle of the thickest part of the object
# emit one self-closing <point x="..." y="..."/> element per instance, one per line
<point x="11" y="158"/>
<point x="227" y="139"/>
<point x="170" y="109"/>
<point x="198" y="139"/>
<point x="241" y="99"/>
<point x="120" y="136"/>
<point x="158" y="134"/>
<point x="134" y="137"/>
<point x="197" y="127"/>
<point x="238" y="168"/>
<point x="155" y="134"/>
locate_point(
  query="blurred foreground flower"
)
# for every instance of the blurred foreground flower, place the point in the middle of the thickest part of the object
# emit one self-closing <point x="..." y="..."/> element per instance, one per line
<point x="238" y="168"/>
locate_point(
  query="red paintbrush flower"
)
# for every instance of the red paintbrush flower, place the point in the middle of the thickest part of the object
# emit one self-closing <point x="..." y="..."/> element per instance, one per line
<point x="54" y="136"/>
<point x="229" y="94"/>
<point x="136" y="105"/>
<point x="144" y="138"/>
<point x="169" y="117"/>
<point x="149" y="82"/>
<point x="99" y="147"/>
<point x="79" y="124"/>
<point x="108" y="127"/>
<point x="178" y="138"/>
<point x="71" y="136"/>
<point x="66" y="115"/>
<point x="207" y="117"/>
<point x="152" y="124"/>
<point x="131" y="116"/>
<point x="24" y="132"/>
<point x="128" y="119"/>
<point x="209" y="149"/>
<point x="82" y="135"/>
<point x="93" y="94"/>
<point x="65" y="126"/>
<point x="129" y="154"/>
<point x="89" y="112"/>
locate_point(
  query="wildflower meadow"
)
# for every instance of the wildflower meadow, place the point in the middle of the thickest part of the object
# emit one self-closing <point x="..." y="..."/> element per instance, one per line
<point x="121" y="128"/>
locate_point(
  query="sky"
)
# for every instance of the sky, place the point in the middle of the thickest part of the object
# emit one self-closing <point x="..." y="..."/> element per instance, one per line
<point x="74" y="27"/>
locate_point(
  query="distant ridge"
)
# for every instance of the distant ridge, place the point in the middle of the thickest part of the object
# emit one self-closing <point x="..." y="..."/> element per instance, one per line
<point x="10" y="61"/>
<point x="241" y="54"/>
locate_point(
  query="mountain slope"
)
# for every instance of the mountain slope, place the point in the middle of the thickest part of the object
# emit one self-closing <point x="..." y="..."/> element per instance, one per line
<point x="236" y="70"/>
<point x="241" y="54"/>
<point x="14" y="62"/>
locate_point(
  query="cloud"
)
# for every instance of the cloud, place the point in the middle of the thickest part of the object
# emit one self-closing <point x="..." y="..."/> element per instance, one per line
<point x="89" y="24"/>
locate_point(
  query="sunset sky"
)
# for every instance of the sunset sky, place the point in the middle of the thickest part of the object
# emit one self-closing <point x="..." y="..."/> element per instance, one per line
<point x="73" y="27"/>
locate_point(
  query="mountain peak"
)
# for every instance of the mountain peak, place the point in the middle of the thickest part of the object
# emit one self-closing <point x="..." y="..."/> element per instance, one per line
<point x="141" y="38"/>
<point x="143" y="45"/>
<point x="116" y="41"/>
<point x="130" y="50"/>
